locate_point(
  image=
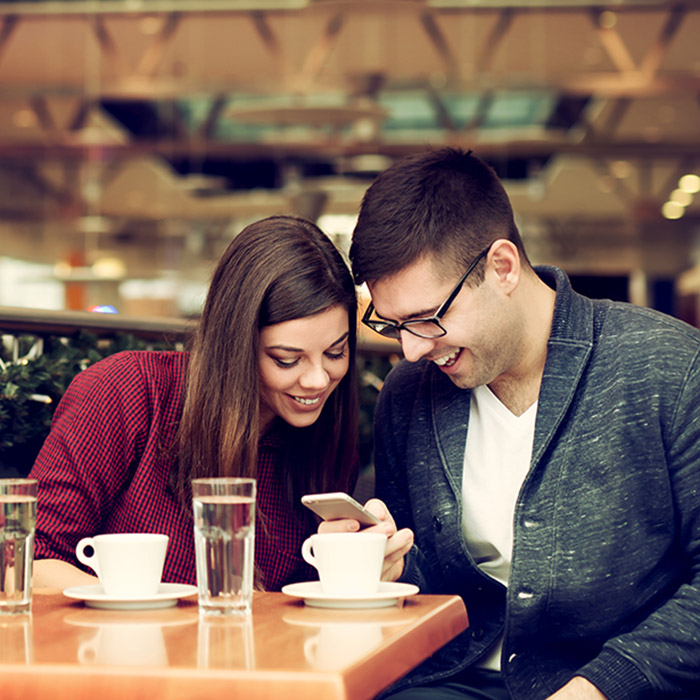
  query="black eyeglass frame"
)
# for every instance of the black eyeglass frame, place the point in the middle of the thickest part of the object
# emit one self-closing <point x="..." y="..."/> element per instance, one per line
<point x="392" y="329"/>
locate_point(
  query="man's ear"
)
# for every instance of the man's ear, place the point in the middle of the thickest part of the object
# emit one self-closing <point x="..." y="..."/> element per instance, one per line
<point x="504" y="261"/>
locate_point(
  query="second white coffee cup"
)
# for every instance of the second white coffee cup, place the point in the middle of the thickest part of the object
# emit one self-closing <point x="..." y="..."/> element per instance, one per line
<point x="348" y="563"/>
<point x="127" y="564"/>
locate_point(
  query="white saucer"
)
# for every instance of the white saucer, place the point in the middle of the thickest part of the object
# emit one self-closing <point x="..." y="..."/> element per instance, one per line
<point x="95" y="597"/>
<point x="387" y="595"/>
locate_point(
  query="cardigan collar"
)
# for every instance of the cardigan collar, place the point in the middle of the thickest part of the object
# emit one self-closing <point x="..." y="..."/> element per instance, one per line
<point x="568" y="350"/>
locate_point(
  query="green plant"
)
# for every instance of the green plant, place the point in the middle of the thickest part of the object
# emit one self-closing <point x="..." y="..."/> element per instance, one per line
<point x="32" y="381"/>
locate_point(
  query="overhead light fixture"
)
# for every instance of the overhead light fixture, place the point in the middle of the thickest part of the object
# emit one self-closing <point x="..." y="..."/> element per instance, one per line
<point x="621" y="169"/>
<point x="365" y="163"/>
<point x="681" y="197"/>
<point x="672" y="210"/>
<point x="689" y="183"/>
<point x="62" y="269"/>
<point x="93" y="224"/>
<point x="24" y="118"/>
<point x="607" y="19"/>
<point x="109" y="268"/>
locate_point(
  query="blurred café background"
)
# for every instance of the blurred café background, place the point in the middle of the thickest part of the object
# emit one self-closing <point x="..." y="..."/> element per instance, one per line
<point x="137" y="137"/>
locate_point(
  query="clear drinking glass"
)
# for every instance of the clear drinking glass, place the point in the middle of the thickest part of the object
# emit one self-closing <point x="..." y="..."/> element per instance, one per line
<point x="17" y="527"/>
<point x="224" y="535"/>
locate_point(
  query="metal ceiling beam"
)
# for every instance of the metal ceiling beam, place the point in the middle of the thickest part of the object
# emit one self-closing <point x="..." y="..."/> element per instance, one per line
<point x="613" y="44"/>
<point x="7" y="29"/>
<point x="318" y="55"/>
<point x="439" y="41"/>
<point x="153" y="55"/>
<point x="57" y="8"/>
<point x="330" y="147"/>
<point x="633" y="85"/>
<point x="107" y="45"/>
<point x="266" y="34"/>
<point x="657" y="52"/>
<point x="211" y="121"/>
<point x="493" y="41"/>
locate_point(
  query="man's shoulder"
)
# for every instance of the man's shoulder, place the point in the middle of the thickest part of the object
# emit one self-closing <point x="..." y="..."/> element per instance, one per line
<point x="645" y="351"/>
<point x="408" y="376"/>
<point x="406" y="384"/>
<point x="643" y="326"/>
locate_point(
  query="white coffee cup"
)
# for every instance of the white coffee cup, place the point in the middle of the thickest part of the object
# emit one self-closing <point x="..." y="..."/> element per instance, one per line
<point x="348" y="563"/>
<point x="129" y="565"/>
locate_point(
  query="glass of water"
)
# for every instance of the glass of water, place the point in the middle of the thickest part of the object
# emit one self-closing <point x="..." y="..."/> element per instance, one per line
<point x="17" y="527"/>
<point x="224" y="536"/>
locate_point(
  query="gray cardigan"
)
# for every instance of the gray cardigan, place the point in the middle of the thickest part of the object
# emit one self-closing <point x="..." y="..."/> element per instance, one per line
<point x="605" y="579"/>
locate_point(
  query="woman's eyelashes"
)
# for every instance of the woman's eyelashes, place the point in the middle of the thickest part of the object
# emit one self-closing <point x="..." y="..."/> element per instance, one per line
<point x="337" y="354"/>
<point x="287" y="363"/>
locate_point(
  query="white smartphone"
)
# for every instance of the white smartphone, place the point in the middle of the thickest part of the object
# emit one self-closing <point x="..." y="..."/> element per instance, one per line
<point x="337" y="506"/>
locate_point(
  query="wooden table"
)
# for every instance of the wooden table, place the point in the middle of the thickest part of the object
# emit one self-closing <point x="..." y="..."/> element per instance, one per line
<point x="65" y="651"/>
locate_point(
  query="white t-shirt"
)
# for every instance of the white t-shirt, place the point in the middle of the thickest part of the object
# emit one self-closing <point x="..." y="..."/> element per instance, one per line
<point x="496" y="462"/>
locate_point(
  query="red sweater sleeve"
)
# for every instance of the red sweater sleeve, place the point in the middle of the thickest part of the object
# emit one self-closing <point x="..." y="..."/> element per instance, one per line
<point x="97" y="432"/>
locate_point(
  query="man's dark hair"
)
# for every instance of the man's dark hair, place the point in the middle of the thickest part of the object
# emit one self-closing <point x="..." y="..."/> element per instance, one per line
<point x="446" y="204"/>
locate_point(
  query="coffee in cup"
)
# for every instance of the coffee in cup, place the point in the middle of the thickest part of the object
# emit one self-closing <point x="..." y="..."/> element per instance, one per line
<point x="129" y="565"/>
<point x="348" y="563"/>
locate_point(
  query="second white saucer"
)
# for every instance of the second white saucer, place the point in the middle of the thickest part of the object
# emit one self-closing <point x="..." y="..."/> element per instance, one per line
<point x="95" y="597"/>
<point x="388" y="594"/>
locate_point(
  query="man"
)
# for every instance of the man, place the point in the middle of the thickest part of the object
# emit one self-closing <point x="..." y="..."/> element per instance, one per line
<point x="540" y="452"/>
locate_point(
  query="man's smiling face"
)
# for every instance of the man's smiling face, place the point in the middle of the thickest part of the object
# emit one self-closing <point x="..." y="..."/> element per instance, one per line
<point x="479" y="343"/>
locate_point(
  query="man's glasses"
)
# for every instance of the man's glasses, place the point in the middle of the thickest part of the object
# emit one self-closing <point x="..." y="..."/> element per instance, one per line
<point x="429" y="327"/>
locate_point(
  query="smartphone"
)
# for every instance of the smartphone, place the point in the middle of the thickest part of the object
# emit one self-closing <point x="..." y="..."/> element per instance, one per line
<point x="338" y="505"/>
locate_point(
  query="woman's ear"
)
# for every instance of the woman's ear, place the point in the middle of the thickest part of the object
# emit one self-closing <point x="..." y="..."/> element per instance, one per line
<point x="504" y="261"/>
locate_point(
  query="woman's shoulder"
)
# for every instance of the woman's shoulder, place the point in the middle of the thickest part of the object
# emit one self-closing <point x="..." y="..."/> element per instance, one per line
<point x="145" y="362"/>
<point x="133" y="371"/>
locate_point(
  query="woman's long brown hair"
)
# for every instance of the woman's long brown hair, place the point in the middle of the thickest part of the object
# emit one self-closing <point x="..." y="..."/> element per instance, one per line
<point x="277" y="269"/>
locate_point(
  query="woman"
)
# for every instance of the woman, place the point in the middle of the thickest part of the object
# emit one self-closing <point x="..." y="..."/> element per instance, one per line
<point x="268" y="390"/>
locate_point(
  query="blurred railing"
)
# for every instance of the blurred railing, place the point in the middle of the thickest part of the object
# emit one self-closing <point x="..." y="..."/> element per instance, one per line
<point x="41" y="351"/>
<point x="18" y="320"/>
<point x="15" y="320"/>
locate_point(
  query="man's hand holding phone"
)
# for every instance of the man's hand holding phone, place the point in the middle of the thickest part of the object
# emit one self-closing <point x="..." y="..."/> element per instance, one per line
<point x="399" y="542"/>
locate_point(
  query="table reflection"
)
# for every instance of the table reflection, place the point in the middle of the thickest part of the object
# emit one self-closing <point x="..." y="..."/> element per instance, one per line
<point x="131" y="639"/>
<point x="335" y="645"/>
<point x="127" y="645"/>
<point x="336" y="638"/>
<point x="16" y="639"/>
<point x="225" y="642"/>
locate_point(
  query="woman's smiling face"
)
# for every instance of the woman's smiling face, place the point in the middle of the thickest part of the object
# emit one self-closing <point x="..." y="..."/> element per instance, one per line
<point x="301" y="362"/>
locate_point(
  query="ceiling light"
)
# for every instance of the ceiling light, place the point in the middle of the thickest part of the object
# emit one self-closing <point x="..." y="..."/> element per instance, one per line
<point x="109" y="268"/>
<point x="672" y="210"/>
<point x="621" y="169"/>
<point x="150" y="25"/>
<point x="681" y="197"/>
<point x="62" y="269"/>
<point x="366" y="163"/>
<point x="24" y="118"/>
<point x="607" y="19"/>
<point x="93" y="224"/>
<point x="689" y="183"/>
